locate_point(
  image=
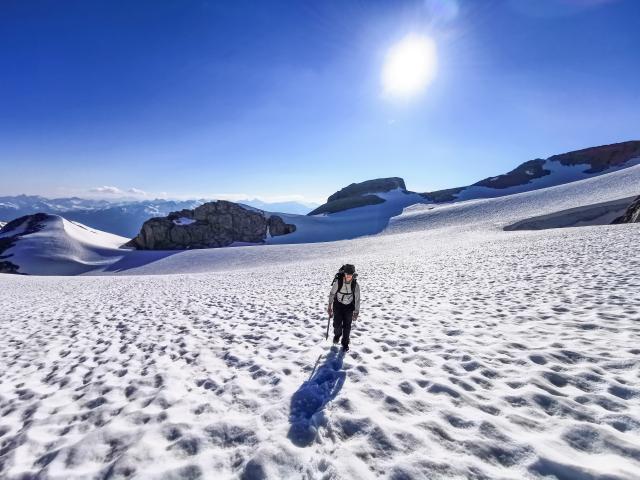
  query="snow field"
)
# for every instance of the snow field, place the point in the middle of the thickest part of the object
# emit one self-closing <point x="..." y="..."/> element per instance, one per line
<point x="510" y="357"/>
<point x="479" y="354"/>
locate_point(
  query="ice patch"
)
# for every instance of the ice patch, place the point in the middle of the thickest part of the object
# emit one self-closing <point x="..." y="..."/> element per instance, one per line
<point x="183" y="221"/>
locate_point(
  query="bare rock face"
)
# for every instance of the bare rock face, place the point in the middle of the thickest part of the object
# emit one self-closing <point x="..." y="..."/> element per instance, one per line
<point x="211" y="225"/>
<point x="359" y="195"/>
<point x="523" y="173"/>
<point x="602" y="157"/>
<point x="632" y="215"/>
<point x="369" y="186"/>
<point x="278" y="227"/>
<point x="591" y="160"/>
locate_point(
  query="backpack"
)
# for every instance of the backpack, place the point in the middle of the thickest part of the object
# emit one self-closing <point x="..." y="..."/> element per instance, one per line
<point x="339" y="277"/>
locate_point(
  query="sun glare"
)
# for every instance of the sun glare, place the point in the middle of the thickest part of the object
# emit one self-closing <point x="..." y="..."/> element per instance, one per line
<point x="410" y="66"/>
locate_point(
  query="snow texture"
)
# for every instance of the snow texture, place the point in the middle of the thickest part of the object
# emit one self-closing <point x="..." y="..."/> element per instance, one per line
<point x="479" y="354"/>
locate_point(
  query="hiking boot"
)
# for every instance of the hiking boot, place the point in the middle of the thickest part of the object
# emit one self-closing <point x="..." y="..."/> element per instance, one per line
<point x="345" y="348"/>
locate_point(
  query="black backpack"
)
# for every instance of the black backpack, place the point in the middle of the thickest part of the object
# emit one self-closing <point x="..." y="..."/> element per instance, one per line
<point x="340" y="278"/>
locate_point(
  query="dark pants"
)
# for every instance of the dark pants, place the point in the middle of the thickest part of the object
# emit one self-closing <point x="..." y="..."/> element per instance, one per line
<point x="342" y="315"/>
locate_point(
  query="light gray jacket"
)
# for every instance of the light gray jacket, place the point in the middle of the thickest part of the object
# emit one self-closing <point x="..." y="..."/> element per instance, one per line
<point x="345" y="295"/>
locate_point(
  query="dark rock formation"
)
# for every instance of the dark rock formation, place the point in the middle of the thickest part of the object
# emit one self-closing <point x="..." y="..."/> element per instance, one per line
<point x="277" y="226"/>
<point x="521" y="174"/>
<point x="369" y="186"/>
<point x="359" y="195"/>
<point x="602" y="157"/>
<point x="11" y="233"/>
<point x="446" y="195"/>
<point x="602" y="213"/>
<point x="213" y="224"/>
<point x="594" y="159"/>
<point x="632" y="215"/>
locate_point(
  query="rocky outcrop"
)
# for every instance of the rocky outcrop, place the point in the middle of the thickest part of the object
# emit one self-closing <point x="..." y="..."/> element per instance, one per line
<point x="11" y="232"/>
<point x="521" y="174"/>
<point x="278" y="227"/>
<point x="446" y="195"/>
<point x="592" y="160"/>
<point x="602" y="157"/>
<point x="211" y="225"/>
<point x="359" y="195"/>
<point x="632" y="215"/>
<point x="369" y="186"/>
<point x="602" y="213"/>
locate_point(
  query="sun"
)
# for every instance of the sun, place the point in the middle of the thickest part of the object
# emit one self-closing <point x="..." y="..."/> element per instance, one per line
<point x="410" y="65"/>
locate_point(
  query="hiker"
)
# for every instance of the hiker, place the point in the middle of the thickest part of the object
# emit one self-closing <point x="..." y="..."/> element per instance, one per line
<point x="344" y="302"/>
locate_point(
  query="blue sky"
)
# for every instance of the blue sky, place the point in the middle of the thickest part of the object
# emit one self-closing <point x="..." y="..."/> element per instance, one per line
<point x="283" y="99"/>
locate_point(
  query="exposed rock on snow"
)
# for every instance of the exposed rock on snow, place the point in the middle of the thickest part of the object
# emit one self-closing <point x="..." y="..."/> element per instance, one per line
<point x="213" y="224"/>
<point x="278" y="227"/>
<point x="632" y="215"/>
<point x="343" y="204"/>
<point x="596" y="214"/>
<point x="519" y="175"/>
<point x="369" y="186"/>
<point x="555" y="170"/>
<point x="360" y="194"/>
<point x="599" y="159"/>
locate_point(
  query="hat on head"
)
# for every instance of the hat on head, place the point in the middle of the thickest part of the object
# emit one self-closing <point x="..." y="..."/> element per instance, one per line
<point x="349" y="269"/>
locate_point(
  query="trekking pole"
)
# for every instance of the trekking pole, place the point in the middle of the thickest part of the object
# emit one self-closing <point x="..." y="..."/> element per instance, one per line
<point x="326" y="337"/>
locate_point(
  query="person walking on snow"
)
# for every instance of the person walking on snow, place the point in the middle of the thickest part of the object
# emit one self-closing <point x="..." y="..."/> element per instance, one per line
<point x="344" y="302"/>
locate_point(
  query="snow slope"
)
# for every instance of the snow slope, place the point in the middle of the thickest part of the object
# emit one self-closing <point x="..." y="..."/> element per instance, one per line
<point x="479" y="354"/>
<point x="63" y="247"/>
<point x="355" y="222"/>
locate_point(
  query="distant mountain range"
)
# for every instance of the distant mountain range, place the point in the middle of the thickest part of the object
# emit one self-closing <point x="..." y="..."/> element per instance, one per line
<point x="126" y="218"/>
<point x="119" y="217"/>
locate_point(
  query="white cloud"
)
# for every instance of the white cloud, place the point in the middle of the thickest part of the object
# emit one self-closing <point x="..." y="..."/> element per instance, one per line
<point x="112" y="191"/>
<point x="107" y="190"/>
<point x="234" y="197"/>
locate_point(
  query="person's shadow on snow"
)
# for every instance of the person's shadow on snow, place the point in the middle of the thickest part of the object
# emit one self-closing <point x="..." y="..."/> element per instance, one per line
<point x="307" y="404"/>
